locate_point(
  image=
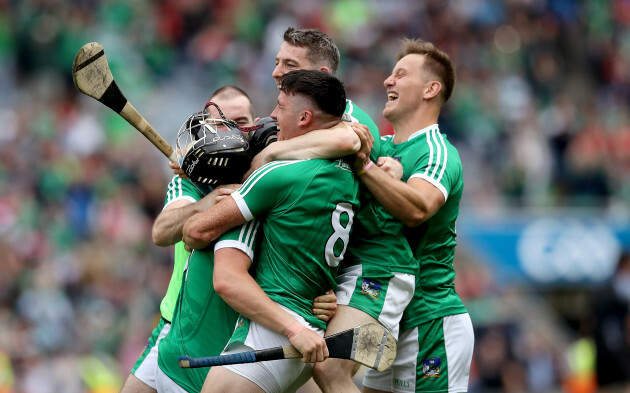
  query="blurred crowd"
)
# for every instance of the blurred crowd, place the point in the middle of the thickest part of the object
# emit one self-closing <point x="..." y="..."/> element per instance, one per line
<point x="540" y="114"/>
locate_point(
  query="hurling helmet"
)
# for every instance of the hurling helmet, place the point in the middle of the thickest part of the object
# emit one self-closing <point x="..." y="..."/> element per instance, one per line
<point x="214" y="150"/>
<point x="262" y="134"/>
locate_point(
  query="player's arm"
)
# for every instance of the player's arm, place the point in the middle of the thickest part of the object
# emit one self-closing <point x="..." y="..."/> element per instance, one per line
<point x="167" y="228"/>
<point x="205" y="227"/>
<point x="337" y="141"/>
<point x="412" y="202"/>
<point x="237" y="287"/>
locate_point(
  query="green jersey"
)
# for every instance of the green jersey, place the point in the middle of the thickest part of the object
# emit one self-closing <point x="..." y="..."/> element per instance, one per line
<point x="202" y="323"/>
<point x="435" y="160"/>
<point x="355" y="114"/>
<point x="378" y="241"/>
<point x="178" y="189"/>
<point x="308" y="209"/>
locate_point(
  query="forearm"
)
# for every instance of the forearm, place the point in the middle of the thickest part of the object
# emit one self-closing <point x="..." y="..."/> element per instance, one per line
<point x="244" y="295"/>
<point x="167" y="229"/>
<point x="397" y="197"/>
<point x="334" y="142"/>
<point x="205" y="227"/>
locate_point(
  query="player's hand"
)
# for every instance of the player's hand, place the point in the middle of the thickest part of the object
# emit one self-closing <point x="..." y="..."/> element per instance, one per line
<point x="391" y="166"/>
<point x="221" y="192"/>
<point x="188" y="235"/>
<point x="362" y="157"/>
<point x="311" y="345"/>
<point x="325" y="306"/>
<point x="224" y="191"/>
<point x="177" y="170"/>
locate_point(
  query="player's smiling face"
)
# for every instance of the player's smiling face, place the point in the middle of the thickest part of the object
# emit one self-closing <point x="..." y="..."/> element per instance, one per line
<point x="290" y="58"/>
<point x="405" y="87"/>
<point x="284" y="114"/>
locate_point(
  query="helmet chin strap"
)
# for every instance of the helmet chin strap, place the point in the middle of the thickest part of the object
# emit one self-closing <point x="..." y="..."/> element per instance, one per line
<point x="225" y="119"/>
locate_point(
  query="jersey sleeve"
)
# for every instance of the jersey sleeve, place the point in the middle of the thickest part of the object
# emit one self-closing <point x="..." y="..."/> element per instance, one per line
<point x="356" y="114"/>
<point x="440" y="166"/>
<point x="267" y="187"/>
<point x="242" y="238"/>
<point x="181" y="189"/>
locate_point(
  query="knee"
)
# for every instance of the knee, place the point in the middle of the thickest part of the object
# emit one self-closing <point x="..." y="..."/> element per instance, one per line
<point x="332" y="370"/>
<point x="319" y="373"/>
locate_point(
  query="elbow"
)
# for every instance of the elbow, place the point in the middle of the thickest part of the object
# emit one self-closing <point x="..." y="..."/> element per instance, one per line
<point x="223" y="284"/>
<point x="414" y="219"/>
<point x="158" y="237"/>
<point x="349" y="143"/>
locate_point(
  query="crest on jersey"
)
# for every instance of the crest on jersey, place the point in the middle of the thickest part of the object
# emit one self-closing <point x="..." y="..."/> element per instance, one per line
<point x="371" y="288"/>
<point x="431" y="368"/>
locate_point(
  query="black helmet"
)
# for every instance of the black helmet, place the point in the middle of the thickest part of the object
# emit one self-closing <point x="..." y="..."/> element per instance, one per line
<point x="214" y="150"/>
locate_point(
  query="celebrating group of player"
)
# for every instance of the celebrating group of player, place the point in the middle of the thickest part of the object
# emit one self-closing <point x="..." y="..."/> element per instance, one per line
<point x="377" y="226"/>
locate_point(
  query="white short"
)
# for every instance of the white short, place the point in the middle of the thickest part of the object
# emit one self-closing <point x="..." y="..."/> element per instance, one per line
<point x="147" y="370"/>
<point x="452" y="347"/>
<point x="277" y="375"/>
<point x="383" y="298"/>
<point x="164" y="384"/>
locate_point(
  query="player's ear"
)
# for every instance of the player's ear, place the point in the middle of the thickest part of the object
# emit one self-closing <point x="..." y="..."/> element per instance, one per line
<point x="305" y="118"/>
<point x="432" y="89"/>
<point x="256" y="120"/>
<point x="324" y="68"/>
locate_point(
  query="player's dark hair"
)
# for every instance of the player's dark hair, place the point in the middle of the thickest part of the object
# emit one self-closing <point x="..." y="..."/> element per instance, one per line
<point x="437" y="62"/>
<point x="322" y="88"/>
<point x="231" y="91"/>
<point x="321" y="49"/>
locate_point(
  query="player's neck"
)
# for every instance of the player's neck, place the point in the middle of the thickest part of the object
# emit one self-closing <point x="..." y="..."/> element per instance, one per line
<point x="317" y="125"/>
<point x="407" y="125"/>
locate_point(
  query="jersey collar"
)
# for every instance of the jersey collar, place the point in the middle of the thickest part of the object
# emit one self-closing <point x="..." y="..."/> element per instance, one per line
<point x="422" y="131"/>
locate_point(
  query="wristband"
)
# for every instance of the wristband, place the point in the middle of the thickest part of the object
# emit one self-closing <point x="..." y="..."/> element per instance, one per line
<point x="292" y="330"/>
<point x="365" y="168"/>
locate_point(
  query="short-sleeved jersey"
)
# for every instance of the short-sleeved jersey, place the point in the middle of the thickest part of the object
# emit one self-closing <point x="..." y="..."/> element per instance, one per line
<point x="435" y="160"/>
<point x="378" y="241"/>
<point x="308" y="208"/>
<point x="355" y="114"/>
<point x="202" y="322"/>
<point x="178" y="189"/>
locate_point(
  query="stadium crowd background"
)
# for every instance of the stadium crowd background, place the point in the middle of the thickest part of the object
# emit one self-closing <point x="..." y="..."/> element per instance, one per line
<point x="540" y="115"/>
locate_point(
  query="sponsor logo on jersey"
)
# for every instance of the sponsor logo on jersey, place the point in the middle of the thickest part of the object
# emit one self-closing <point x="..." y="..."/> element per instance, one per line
<point x="371" y="288"/>
<point x="431" y="368"/>
<point x="241" y="321"/>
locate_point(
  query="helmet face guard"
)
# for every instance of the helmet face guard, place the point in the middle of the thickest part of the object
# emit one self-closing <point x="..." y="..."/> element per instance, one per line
<point x="214" y="150"/>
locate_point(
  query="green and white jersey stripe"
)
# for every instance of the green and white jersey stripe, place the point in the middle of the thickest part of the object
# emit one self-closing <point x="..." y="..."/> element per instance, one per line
<point x="308" y="208"/>
<point x="438" y="158"/>
<point x="356" y="114"/>
<point x="178" y="189"/>
<point x="242" y="238"/>
<point x="428" y="155"/>
<point x="251" y="181"/>
<point x="181" y="189"/>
